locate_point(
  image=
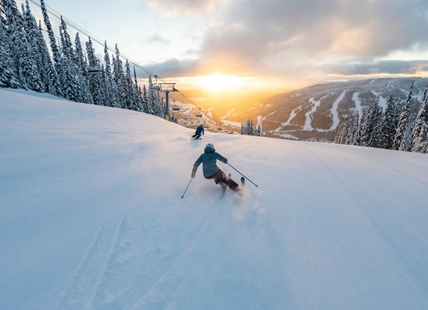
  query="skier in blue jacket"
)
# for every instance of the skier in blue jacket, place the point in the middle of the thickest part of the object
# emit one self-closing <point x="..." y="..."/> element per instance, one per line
<point x="199" y="131"/>
<point x="211" y="170"/>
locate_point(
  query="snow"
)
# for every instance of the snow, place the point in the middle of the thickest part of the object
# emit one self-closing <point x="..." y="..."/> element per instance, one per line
<point x="231" y="123"/>
<point x="315" y="104"/>
<point x="334" y="111"/>
<point x="292" y="115"/>
<point x="91" y="217"/>
<point x="358" y="106"/>
<point x="382" y="102"/>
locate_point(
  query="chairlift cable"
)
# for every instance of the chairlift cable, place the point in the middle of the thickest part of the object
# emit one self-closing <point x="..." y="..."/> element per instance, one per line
<point x="99" y="41"/>
<point x="88" y="34"/>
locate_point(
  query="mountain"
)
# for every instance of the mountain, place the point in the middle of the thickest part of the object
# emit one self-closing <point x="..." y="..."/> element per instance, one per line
<point x="91" y="217"/>
<point x="313" y="113"/>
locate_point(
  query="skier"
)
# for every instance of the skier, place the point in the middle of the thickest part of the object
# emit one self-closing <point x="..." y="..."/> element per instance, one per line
<point x="211" y="170"/>
<point x="199" y="130"/>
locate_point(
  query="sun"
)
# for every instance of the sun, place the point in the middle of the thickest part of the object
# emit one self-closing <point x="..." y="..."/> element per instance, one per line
<point x="219" y="82"/>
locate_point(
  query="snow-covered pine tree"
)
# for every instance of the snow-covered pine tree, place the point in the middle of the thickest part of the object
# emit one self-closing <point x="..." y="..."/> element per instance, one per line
<point x="119" y="78"/>
<point x="406" y="144"/>
<point x="338" y="139"/>
<point x="419" y="134"/>
<point x="138" y="99"/>
<point x="370" y="126"/>
<point x="389" y="124"/>
<point x="38" y="81"/>
<point x="66" y="45"/>
<point x="96" y="84"/>
<point x="73" y="84"/>
<point x="250" y="129"/>
<point x="352" y="128"/>
<point x="20" y="47"/>
<point x="111" y="88"/>
<point x="68" y="80"/>
<point x="403" y="122"/>
<point x="377" y="121"/>
<point x="147" y="107"/>
<point x="54" y="47"/>
<point x="8" y="72"/>
<point x="340" y="132"/>
<point x="129" y="88"/>
<point x="82" y="68"/>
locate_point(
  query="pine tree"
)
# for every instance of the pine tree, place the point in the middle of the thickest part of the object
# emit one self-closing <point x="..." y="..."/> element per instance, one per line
<point x="340" y="132"/>
<point x="66" y="44"/>
<point x="352" y="128"/>
<point x="68" y="81"/>
<point x="111" y="88"/>
<point x="8" y="72"/>
<point x="96" y="84"/>
<point x="138" y="98"/>
<point x="400" y="141"/>
<point x="129" y="88"/>
<point x="406" y="144"/>
<point x="54" y="47"/>
<point x="370" y="126"/>
<point x="82" y="68"/>
<point x="36" y="80"/>
<point x="250" y="129"/>
<point x="119" y="78"/>
<point x="20" y="47"/>
<point x="419" y="133"/>
<point x="147" y="107"/>
<point x="389" y="124"/>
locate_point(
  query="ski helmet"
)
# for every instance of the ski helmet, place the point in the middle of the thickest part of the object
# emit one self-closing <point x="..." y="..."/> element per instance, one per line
<point x="210" y="145"/>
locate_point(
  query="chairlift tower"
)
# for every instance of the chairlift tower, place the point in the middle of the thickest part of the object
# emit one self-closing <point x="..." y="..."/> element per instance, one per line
<point x="166" y="88"/>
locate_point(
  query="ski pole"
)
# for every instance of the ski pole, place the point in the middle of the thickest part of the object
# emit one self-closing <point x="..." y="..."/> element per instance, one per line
<point x="182" y="196"/>
<point x="243" y="175"/>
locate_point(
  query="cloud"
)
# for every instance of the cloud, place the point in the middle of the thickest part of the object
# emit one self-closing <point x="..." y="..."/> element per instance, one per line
<point x="157" y="39"/>
<point x="260" y="35"/>
<point x="379" y="67"/>
<point x="302" y="39"/>
<point x="173" y="68"/>
<point x="184" y="7"/>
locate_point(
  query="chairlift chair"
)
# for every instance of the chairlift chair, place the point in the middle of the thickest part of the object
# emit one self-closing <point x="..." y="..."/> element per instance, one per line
<point x="94" y="70"/>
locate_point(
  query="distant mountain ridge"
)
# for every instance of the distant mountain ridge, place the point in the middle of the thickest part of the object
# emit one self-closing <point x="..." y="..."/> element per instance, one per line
<point x="314" y="113"/>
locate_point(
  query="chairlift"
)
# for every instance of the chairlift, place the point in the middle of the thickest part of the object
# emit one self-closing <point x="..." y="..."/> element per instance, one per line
<point x="155" y="86"/>
<point x="94" y="70"/>
<point x="199" y="114"/>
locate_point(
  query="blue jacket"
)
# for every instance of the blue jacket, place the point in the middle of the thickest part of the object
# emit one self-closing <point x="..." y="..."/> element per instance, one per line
<point x="209" y="162"/>
<point x="199" y="130"/>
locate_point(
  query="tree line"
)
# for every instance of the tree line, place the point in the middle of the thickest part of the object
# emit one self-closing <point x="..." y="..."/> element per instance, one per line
<point x="67" y="70"/>
<point x="396" y="128"/>
<point x="250" y="129"/>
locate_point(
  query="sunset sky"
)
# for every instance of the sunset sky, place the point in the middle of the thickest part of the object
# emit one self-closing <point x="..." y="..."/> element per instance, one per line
<point x="281" y="45"/>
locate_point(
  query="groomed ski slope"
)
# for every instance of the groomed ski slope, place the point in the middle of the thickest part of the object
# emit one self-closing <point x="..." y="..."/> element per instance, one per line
<point x="91" y="217"/>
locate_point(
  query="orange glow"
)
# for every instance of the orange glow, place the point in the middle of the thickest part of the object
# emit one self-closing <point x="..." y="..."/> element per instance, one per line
<point x="219" y="82"/>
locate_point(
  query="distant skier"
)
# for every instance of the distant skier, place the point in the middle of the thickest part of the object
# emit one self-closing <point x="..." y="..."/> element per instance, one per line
<point x="199" y="131"/>
<point x="211" y="170"/>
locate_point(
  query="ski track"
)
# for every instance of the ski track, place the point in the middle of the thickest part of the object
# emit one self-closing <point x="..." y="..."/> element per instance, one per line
<point x="334" y="111"/>
<point x="315" y="105"/>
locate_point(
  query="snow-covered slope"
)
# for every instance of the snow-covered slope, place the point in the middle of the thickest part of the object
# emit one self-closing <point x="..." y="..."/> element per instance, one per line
<point x="314" y="113"/>
<point x="91" y="217"/>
